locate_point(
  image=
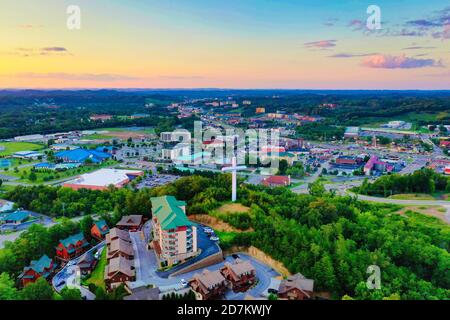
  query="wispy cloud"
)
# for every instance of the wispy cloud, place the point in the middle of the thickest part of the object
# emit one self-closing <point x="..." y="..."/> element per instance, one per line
<point x="444" y="34"/>
<point x="356" y="25"/>
<point x="168" y="77"/>
<point x="30" y="52"/>
<point x="383" y="61"/>
<point x="31" y="26"/>
<point x="103" y="77"/>
<point x="54" y="49"/>
<point x="418" y="47"/>
<point x="330" y="22"/>
<point x="322" y="44"/>
<point x="436" y="25"/>
<point x="350" y="55"/>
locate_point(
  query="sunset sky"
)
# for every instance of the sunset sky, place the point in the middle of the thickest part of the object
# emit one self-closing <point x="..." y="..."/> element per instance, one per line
<point x="320" y="44"/>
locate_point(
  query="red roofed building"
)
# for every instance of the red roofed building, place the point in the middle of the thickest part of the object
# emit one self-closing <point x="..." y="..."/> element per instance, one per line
<point x="72" y="247"/>
<point x="99" y="230"/>
<point x="43" y="267"/>
<point x="445" y="144"/>
<point x="277" y="181"/>
<point x="273" y="149"/>
<point x="447" y="170"/>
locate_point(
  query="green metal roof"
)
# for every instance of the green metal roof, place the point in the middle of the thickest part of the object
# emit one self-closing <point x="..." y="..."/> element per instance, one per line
<point x="281" y="154"/>
<point x="73" y="240"/>
<point x="17" y="216"/>
<point x="39" y="266"/>
<point x="102" y="226"/>
<point x="168" y="210"/>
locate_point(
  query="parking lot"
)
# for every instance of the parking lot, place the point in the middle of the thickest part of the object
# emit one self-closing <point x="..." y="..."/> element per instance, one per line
<point x="157" y="180"/>
<point x="147" y="270"/>
<point x="34" y="218"/>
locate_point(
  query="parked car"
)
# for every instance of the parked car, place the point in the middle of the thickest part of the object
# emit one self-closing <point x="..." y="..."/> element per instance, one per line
<point x="214" y="238"/>
<point x="235" y="256"/>
<point x="61" y="283"/>
<point x="208" y="230"/>
<point x="184" y="283"/>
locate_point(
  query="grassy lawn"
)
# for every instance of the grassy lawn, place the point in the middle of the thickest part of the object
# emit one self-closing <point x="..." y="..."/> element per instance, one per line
<point x="144" y="130"/>
<point x="226" y="236"/>
<point x="97" y="137"/>
<point x="233" y="208"/>
<point x="294" y="185"/>
<point x="412" y="196"/>
<point x="420" y="196"/>
<point x="5" y="188"/>
<point x="408" y="117"/>
<point x="12" y="147"/>
<point x="48" y="176"/>
<point x="97" y="276"/>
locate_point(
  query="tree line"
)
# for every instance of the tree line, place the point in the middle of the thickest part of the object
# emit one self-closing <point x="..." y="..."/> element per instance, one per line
<point x="421" y="181"/>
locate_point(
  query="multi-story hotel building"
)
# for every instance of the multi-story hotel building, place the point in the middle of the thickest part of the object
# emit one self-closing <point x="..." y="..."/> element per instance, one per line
<point x="174" y="236"/>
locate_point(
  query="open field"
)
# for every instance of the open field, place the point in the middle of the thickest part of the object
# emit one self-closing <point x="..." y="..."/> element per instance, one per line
<point x="226" y="236"/>
<point x="12" y="147"/>
<point x="233" y="208"/>
<point x="420" y="196"/>
<point x="408" y="117"/>
<point x="412" y="196"/>
<point x="137" y="130"/>
<point x="47" y="175"/>
<point x="431" y="211"/>
<point x="96" y="136"/>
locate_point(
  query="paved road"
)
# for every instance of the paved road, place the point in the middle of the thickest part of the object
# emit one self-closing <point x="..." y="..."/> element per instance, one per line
<point x="146" y="271"/>
<point x="68" y="275"/>
<point x="343" y="189"/>
<point x="445" y="204"/>
<point x="14" y="235"/>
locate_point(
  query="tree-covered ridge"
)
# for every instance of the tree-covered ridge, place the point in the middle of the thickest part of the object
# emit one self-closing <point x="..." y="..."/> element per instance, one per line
<point x="421" y="181"/>
<point x="41" y="111"/>
<point x="327" y="238"/>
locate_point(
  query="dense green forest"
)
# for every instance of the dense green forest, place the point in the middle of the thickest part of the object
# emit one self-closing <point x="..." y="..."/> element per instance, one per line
<point x="421" y="181"/>
<point x="320" y="131"/>
<point x="34" y="111"/>
<point x="325" y="237"/>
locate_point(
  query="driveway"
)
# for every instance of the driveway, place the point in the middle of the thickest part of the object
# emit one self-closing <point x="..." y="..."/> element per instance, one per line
<point x="68" y="274"/>
<point x="146" y="271"/>
<point x="445" y="204"/>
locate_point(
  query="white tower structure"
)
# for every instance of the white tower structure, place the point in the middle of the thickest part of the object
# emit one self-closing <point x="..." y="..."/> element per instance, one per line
<point x="234" y="169"/>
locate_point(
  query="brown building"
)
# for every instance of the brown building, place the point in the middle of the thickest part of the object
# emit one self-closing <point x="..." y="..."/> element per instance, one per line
<point x="119" y="270"/>
<point x="87" y="263"/>
<point x="296" y="287"/>
<point x="119" y="247"/>
<point x="277" y="181"/>
<point x="130" y="223"/>
<point x="241" y="275"/>
<point x="99" y="230"/>
<point x="115" y="233"/>
<point x="209" y="284"/>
